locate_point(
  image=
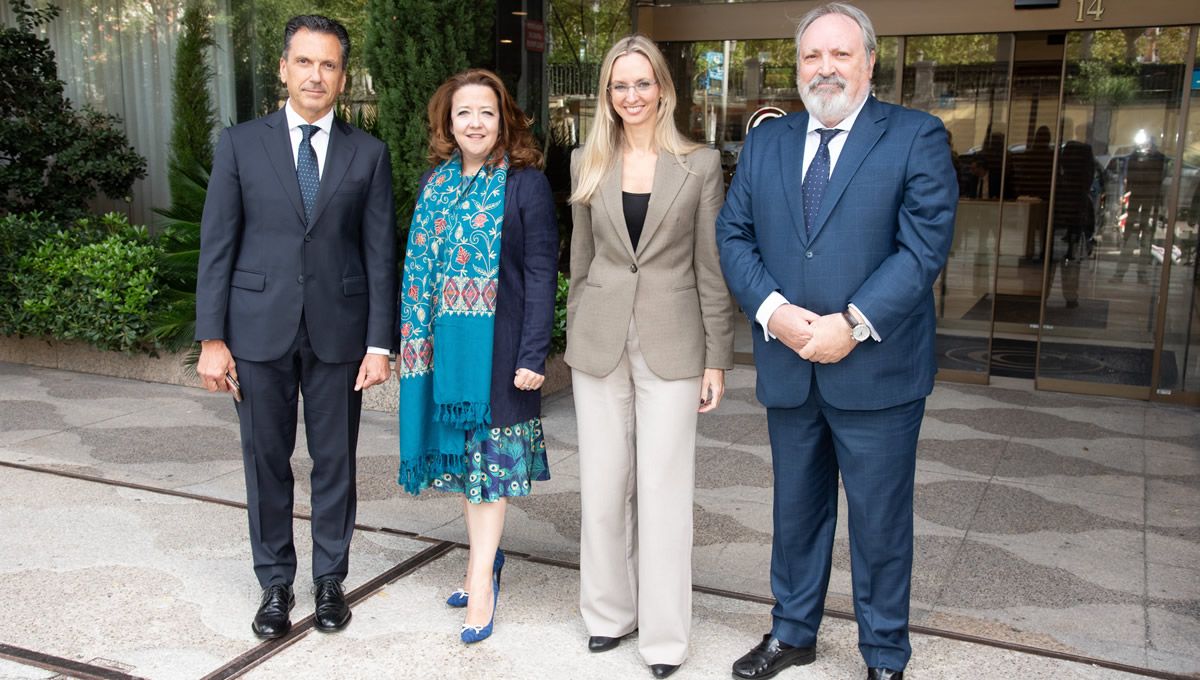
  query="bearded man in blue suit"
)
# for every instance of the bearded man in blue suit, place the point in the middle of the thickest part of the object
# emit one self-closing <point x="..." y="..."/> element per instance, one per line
<point x="835" y="227"/>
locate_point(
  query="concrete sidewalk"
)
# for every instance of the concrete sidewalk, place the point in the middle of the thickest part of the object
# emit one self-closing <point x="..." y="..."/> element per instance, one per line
<point x="1050" y="523"/>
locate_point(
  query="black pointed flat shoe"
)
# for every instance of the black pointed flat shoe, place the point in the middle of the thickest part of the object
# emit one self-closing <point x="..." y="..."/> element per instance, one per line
<point x="662" y="670"/>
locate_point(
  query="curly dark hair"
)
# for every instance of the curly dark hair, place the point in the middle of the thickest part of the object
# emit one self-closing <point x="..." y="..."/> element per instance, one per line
<point x="513" y="138"/>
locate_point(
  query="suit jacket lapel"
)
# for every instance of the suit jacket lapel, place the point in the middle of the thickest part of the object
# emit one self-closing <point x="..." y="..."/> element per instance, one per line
<point x="669" y="177"/>
<point x="791" y="164"/>
<point x="338" y="156"/>
<point x="610" y="198"/>
<point x="278" y="143"/>
<point x="867" y="130"/>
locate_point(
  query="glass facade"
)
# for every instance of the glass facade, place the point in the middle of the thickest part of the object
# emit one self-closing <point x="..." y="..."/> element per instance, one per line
<point x="1074" y="256"/>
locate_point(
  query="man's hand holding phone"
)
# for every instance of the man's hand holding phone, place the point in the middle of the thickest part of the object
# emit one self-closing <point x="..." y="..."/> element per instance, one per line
<point x="217" y="370"/>
<point x="234" y="388"/>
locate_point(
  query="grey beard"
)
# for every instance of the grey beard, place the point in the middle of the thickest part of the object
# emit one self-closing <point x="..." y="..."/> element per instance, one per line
<point x="831" y="109"/>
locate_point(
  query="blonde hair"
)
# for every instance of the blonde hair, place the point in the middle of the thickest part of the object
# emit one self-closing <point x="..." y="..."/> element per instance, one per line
<point x="599" y="152"/>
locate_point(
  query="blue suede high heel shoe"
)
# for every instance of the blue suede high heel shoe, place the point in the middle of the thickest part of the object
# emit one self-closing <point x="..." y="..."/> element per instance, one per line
<point x="473" y="634"/>
<point x="459" y="598"/>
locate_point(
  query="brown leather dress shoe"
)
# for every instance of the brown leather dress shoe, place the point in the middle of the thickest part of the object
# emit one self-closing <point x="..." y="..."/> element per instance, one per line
<point x="332" y="611"/>
<point x="271" y="621"/>
<point x="771" y="656"/>
<point x="884" y="674"/>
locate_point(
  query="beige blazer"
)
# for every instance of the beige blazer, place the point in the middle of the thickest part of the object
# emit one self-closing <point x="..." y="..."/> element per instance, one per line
<point x="672" y="285"/>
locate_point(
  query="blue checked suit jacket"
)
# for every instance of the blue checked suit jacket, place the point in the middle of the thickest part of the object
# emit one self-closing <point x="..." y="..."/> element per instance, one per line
<point x="879" y="240"/>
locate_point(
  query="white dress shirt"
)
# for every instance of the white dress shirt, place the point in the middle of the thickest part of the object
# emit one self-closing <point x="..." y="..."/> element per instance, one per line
<point x="776" y="299"/>
<point x="320" y="145"/>
<point x="319" y="139"/>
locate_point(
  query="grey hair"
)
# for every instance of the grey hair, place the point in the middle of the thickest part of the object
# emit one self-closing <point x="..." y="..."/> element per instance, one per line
<point x="851" y="12"/>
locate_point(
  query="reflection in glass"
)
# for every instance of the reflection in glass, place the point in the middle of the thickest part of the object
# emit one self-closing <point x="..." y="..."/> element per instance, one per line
<point x="1121" y="103"/>
<point x="1179" y="366"/>
<point x="963" y="80"/>
<point x="727" y="86"/>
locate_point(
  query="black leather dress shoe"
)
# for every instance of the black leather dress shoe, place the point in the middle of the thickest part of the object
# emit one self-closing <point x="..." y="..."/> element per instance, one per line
<point x="271" y="621"/>
<point x="662" y="670"/>
<point x="884" y="674"/>
<point x="771" y="656"/>
<point x="332" y="611"/>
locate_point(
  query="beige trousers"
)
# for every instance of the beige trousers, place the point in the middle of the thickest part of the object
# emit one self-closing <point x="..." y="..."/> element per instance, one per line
<point x="637" y="449"/>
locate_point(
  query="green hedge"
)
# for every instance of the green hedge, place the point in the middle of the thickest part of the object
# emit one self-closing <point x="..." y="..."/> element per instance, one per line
<point x="558" y="334"/>
<point x="96" y="282"/>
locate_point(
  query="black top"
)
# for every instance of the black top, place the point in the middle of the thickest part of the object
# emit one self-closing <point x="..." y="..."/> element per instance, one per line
<point x="635" y="206"/>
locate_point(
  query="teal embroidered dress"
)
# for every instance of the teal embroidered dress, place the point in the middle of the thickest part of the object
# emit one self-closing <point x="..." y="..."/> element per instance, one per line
<point x="449" y="301"/>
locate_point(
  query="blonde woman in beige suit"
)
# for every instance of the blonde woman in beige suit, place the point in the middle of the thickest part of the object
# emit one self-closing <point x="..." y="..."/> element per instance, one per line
<point x="649" y="338"/>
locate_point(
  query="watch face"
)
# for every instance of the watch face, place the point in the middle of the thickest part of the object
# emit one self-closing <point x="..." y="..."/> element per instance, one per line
<point x="861" y="332"/>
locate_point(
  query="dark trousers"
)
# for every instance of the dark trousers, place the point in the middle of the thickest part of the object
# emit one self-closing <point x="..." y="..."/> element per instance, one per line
<point x="268" y="423"/>
<point x="875" y="452"/>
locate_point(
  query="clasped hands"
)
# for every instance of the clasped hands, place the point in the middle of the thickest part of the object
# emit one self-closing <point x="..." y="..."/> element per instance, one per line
<point x="820" y="339"/>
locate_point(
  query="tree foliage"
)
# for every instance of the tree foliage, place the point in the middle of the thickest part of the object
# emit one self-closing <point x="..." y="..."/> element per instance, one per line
<point x="193" y="122"/>
<point x="407" y="69"/>
<point x="53" y="157"/>
<point x="192" y="110"/>
<point x="258" y="41"/>
<point x="581" y="31"/>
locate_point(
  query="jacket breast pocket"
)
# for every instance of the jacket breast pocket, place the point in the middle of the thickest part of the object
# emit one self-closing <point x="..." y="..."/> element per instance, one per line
<point x="248" y="280"/>
<point x="354" y="285"/>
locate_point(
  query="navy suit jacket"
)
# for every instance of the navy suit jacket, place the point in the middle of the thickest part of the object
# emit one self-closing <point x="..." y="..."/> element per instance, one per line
<point x="879" y="241"/>
<point x="525" y="300"/>
<point x="261" y="266"/>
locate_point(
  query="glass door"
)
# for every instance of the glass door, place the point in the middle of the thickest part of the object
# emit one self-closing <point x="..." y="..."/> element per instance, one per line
<point x="1027" y="188"/>
<point x="964" y="81"/>
<point x="1179" y="365"/>
<point x="1107" y="246"/>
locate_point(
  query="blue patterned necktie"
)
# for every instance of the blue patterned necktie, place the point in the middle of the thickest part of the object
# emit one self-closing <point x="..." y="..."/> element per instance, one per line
<point x="307" y="171"/>
<point x="817" y="178"/>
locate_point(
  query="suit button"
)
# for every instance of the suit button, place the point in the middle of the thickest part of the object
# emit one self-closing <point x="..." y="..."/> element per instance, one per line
<point x="307" y="238"/>
<point x="300" y="279"/>
<point x="808" y="254"/>
<point x="633" y="268"/>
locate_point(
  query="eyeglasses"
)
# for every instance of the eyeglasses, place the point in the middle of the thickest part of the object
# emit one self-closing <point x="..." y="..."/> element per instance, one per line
<point x="642" y="87"/>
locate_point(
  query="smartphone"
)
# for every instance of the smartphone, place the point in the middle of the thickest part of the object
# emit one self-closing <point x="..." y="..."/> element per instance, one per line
<point x="234" y="388"/>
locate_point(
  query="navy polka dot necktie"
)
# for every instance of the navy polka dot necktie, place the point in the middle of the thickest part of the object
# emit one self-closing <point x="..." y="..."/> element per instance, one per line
<point x="307" y="171"/>
<point x="817" y="178"/>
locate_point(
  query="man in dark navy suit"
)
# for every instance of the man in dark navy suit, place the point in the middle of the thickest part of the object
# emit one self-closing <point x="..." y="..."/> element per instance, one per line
<point x="835" y="228"/>
<point x="296" y="293"/>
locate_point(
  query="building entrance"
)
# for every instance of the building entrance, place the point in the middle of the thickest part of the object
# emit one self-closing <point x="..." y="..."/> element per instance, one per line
<point x="1067" y="214"/>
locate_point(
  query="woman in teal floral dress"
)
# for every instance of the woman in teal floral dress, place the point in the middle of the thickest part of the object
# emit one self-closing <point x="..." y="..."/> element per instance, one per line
<point x="476" y="309"/>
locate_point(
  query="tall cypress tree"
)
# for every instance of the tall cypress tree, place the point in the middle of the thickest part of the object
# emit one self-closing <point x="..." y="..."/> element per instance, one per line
<point x="412" y="47"/>
<point x="193" y="123"/>
<point x="194" y="118"/>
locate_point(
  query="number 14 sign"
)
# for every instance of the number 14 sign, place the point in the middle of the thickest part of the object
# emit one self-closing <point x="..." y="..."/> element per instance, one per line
<point x="1091" y="8"/>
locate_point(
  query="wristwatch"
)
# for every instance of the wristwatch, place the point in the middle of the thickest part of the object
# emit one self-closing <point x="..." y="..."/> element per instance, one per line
<point x="858" y="330"/>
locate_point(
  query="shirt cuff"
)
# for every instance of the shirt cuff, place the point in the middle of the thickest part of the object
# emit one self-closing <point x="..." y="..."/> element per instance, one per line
<point x="773" y="302"/>
<point x="378" y="350"/>
<point x="874" y="334"/>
